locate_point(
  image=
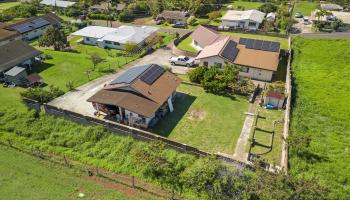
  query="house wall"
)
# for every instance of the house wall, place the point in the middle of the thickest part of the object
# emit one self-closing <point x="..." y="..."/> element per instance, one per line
<point x="249" y="72"/>
<point x="195" y="45"/>
<point x="240" y="24"/>
<point x="34" y="33"/>
<point x="273" y="101"/>
<point x="19" y="79"/>
<point x="129" y="114"/>
<point x="90" y="41"/>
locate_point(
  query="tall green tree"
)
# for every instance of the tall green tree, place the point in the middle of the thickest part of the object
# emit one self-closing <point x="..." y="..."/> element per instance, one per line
<point x="53" y="37"/>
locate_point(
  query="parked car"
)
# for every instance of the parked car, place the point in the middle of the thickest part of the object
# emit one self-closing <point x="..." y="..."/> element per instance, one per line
<point x="306" y="20"/>
<point x="182" y="60"/>
<point x="331" y="18"/>
<point x="298" y="15"/>
<point x="180" y="25"/>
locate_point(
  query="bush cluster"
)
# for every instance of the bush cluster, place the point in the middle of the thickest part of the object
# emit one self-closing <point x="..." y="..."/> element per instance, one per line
<point x="42" y="95"/>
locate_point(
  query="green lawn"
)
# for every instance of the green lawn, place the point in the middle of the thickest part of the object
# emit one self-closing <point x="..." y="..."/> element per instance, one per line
<point x="72" y="66"/>
<point x="263" y="135"/>
<point x="7" y="5"/>
<point x="305" y="7"/>
<point x="203" y="120"/>
<point x="321" y="111"/>
<point x="247" y="5"/>
<point x="27" y="177"/>
<point x="186" y="45"/>
<point x="283" y="41"/>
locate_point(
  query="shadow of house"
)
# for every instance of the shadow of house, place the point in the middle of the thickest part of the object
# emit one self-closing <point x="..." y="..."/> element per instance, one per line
<point x="40" y="67"/>
<point x="182" y="104"/>
<point x="281" y="72"/>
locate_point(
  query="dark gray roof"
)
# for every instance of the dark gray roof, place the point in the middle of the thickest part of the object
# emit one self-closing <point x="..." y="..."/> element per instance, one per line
<point x="230" y="51"/>
<point x="260" y="44"/>
<point x="15" y="71"/>
<point x="131" y="74"/>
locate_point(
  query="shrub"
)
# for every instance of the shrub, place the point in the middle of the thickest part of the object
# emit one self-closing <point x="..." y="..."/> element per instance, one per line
<point x="192" y="21"/>
<point x="42" y="95"/>
<point x="125" y="16"/>
<point x="214" y="15"/>
<point x="196" y="75"/>
<point x="267" y="8"/>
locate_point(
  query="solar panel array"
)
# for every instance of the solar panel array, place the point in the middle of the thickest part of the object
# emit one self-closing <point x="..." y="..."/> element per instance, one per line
<point x="230" y="51"/>
<point x="130" y="75"/>
<point x="260" y="44"/>
<point x="28" y="26"/>
<point x="152" y="74"/>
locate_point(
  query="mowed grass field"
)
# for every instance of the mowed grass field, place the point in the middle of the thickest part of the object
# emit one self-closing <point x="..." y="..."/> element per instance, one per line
<point x="26" y="177"/>
<point x="247" y="5"/>
<point x="321" y="111"/>
<point x="74" y="66"/>
<point x="6" y="5"/>
<point x="186" y="45"/>
<point x="209" y="122"/>
<point x="305" y="7"/>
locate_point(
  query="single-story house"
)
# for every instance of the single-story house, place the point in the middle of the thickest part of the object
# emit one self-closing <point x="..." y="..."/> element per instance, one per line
<point x="259" y="59"/>
<point x="204" y="36"/>
<point x="271" y="17"/>
<point x="16" y="53"/>
<point x="173" y="16"/>
<point x="58" y="3"/>
<point x="248" y="19"/>
<point x="138" y="97"/>
<point x="7" y="36"/>
<point x="102" y="7"/>
<point x="331" y="7"/>
<point x="35" y="26"/>
<point x="115" y="38"/>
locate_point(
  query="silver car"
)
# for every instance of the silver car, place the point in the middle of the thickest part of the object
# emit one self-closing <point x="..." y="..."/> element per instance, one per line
<point x="182" y="60"/>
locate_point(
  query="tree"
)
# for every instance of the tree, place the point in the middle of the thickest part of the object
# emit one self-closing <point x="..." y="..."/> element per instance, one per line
<point x="154" y="39"/>
<point x="268" y="8"/>
<point x="95" y="59"/>
<point x="214" y="15"/>
<point x="196" y="75"/>
<point x="243" y="86"/>
<point x="53" y="37"/>
<point x="131" y="48"/>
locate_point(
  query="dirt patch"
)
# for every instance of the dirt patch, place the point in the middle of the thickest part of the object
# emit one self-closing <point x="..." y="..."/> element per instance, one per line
<point x="143" y="21"/>
<point x="197" y="115"/>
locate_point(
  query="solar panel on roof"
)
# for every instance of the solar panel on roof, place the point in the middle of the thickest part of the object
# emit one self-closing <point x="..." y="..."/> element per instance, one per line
<point x="266" y="45"/>
<point x="40" y="22"/>
<point x="274" y="47"/>
<point x="250" y="43"/>
<point x="258" y="44"/>
<point x="242" y="40"/>
<point x="230" y="51"/>
<point x="130" y="75"/>
<point x="22" y="28"/>
<point x="152" y="74"/>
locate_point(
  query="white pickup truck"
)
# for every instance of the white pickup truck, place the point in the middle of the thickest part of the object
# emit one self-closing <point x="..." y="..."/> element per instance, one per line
<point x="182" y="60"/>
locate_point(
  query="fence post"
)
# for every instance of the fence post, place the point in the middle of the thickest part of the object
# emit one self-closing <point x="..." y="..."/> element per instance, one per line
<point x="133" y="181"/>
<point x="66" y="161"/>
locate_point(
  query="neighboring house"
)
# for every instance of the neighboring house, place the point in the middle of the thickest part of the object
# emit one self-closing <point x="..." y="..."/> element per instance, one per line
<point x="173" y="16"/>
<point x="203" y="37"/>
<point x="259" y="59"/>
<point x="102" y="7"/>
<point x="271" y="17"/>
<point x="58" y="3"/>
<point x="34" y="27"/>
<point x="120" y="7"/>
<point x="331" y="7"/>
<point x="14" y="51"/>
<point x="249" y="19"/>
<point x="115" y="38"/>
<point x="138" y="97"/>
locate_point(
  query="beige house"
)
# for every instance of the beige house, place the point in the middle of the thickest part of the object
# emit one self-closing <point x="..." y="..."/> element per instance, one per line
<point x="259" y="59"/>
<point x="248" y="19"/>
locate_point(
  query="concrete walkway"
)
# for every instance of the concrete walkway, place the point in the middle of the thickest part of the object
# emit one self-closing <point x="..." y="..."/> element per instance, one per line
<point x="242" y="142"/>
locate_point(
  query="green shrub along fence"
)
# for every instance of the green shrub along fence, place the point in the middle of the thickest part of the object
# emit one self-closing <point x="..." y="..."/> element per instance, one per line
<point x="122" y="129"/>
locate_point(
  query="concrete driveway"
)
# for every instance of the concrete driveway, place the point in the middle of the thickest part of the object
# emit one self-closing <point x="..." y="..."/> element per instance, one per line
<point x="76" y="100"/>
<point x="304" y="28"/>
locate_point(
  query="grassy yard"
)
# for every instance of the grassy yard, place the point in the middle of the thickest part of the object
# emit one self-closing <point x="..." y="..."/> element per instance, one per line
<point x="283" y="41"/>
<point x="263" y="136"/>
<point x="305" y="7"/>
<point x="186" y="45"/>
<point x="247" y="5"/>
<point x="7" y="5"/>
<point x="73" y="66"/>
<point x="203" y="120"/>
<point x="27" y="177"/>
<point x="321" y="112"/>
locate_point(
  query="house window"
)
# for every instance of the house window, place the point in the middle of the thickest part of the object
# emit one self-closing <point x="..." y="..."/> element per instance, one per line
<point x="195" y="42"/>
<point x="218" y="64"/>
<point x="87" y="39"/>
<point x="116" y="43"/>
<point x="245" y="69"/>
<point x="252" y="24"/>
<point x="108" y="42"/>
<point x="205" y="63"/>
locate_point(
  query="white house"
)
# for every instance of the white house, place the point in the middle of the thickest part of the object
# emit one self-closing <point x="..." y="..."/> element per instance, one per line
<point x="248" y="19"/>
<point x="259" y="59"/>
<point x="58" y="3"/>
<point x="271" y="17"/>
<point x="115" y="38"/>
